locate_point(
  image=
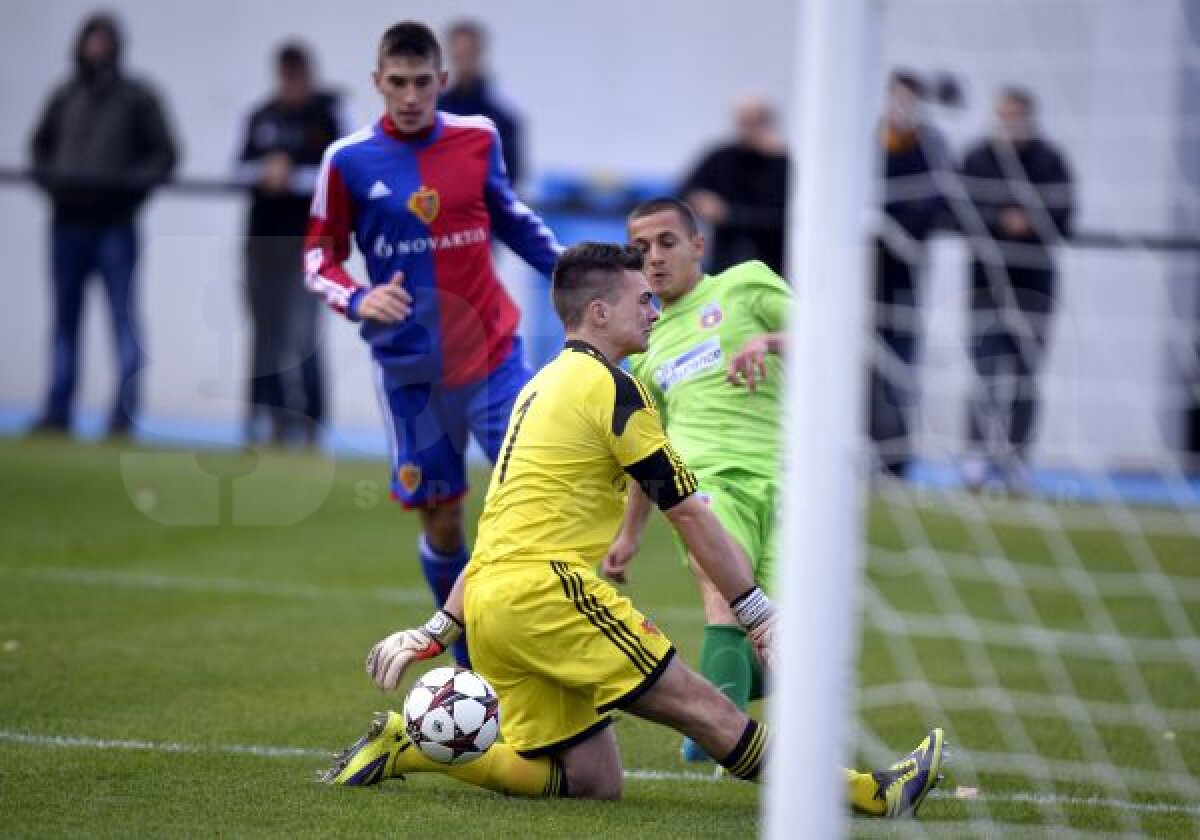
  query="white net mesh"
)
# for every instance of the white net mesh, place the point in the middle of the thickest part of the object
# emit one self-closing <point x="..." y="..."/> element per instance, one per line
<point x="1038" y="593"/>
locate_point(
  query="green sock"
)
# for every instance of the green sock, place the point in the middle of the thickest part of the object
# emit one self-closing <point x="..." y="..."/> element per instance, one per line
<point x="758" y="686"/>
<point x="727" y="661"/>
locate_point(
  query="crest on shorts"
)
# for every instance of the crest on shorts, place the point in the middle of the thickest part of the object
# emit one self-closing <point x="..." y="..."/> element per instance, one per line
<point x="710" y="316"/>
<point x="650" y="627"/>
<point x="409" y="476"/>
<point x="424" y="204"/>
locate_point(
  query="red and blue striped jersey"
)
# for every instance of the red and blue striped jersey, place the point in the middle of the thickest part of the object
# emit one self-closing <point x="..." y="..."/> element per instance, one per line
<point x="428" y="207"/>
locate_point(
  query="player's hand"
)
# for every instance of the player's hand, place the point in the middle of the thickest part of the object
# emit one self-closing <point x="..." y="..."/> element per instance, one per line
<point x="390" y="658"/>
<point x="749" y="365"/>
<point x="615" y="565"/>
<point x="388" y="303"/>
<point x="762" y="638"/>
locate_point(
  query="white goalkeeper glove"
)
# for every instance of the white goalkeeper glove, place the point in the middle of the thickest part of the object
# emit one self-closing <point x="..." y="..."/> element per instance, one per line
<point x="389" y="659"/>
<point x="754" y="611"/>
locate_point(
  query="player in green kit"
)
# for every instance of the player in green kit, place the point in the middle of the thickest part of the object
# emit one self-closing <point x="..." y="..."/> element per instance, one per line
<point x="713" y="365"/>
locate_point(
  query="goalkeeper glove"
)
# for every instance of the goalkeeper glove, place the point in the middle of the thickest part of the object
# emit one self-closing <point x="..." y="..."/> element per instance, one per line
<point x="390" y="658"/>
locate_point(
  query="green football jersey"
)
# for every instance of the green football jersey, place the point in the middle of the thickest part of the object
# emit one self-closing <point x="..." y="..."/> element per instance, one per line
<point x="717" y="426"/>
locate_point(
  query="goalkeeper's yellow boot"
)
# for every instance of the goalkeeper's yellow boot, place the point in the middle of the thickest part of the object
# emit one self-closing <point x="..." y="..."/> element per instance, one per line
<point x="904" y="785"/>
<point x="372" y="758"/>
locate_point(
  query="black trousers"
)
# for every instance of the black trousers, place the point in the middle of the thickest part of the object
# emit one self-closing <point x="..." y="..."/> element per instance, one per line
<point x="285" y="388"/>
<point x="892" y="395"/>
<point x="1012" y="310"/>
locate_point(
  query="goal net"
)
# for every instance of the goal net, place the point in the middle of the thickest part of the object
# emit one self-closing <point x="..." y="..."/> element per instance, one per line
<point x="1030" y="542"/>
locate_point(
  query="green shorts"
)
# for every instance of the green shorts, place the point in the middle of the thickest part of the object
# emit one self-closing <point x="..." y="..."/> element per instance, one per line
<point x="746" y="505"/>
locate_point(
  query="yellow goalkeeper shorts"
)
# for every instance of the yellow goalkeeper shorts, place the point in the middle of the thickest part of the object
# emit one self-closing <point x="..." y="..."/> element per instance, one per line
<point x="561" y="647"/>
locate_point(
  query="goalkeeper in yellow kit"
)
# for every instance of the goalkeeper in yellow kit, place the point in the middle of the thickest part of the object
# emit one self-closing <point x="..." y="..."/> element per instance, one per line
<point x="562" y="647"/>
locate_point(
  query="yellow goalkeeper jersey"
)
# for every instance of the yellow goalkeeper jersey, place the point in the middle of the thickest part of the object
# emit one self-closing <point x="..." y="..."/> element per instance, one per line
<point x="579" y="430"/>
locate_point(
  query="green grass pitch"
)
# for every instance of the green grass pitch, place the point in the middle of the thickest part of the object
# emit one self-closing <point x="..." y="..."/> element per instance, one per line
<point x="162" y="613"/>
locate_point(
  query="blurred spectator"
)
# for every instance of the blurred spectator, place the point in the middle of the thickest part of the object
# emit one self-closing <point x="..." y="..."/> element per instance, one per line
<point x="915" y="163"/>
<point x="740" y="190"/>
<point x="471" y="91"/>
<point x="1020" y="207"/>
<point x="284" y="140"/>
<point x="101" y="146"/>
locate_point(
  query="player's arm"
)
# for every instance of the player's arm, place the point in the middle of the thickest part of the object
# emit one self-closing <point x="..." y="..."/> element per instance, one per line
<point x="665" y="479"/>
<point x="327" y="247"/>
<point x="615" y="565"/>
<point x="390" y="658"/>
<point x="712" y="548"/>
<point x="514" y="223"/>
<point x="642" y="448"/>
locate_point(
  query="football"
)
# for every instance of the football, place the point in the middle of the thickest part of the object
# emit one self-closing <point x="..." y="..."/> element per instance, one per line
<point x="452" y="715"/>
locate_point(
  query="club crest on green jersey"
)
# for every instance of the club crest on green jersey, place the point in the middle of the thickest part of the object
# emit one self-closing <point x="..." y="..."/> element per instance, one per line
<point x="710" y="316"/>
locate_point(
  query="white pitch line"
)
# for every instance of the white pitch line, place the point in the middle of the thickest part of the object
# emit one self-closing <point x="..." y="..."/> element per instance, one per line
<point x="241" y="586"/>
<point x="244" y="586"/>
<point x="31" y="739"/>
<point x="157" y="746"/>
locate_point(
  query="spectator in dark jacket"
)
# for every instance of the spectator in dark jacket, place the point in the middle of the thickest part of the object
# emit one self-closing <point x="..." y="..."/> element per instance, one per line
<point x="284" y="140"/>
<point x="101" y="146"/>
<point x="1020" y="205"/>
<point x="915" y="166"/>
<point x="471" y="92"/>
<point x="740" y="189"/>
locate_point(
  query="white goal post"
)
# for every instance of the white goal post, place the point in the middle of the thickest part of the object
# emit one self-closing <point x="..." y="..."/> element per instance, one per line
<point x="810" y="705"/>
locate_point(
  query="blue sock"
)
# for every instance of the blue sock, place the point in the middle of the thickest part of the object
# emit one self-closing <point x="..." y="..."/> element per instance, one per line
<point x="441" y="570"/>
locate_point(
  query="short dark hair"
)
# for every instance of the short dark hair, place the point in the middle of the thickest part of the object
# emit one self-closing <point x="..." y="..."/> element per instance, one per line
<point x="294" y="57"/>
<point x="1023" y="96"/>
<point x="410" y="39"/>
<point x="586" y="272"/>
<point x="663" y="203"/>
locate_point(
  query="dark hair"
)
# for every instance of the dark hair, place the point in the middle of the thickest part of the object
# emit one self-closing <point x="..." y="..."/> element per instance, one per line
<point x="294" y="57"/>
<point x="410" y="40"/>
<point x="1020" y="95"/>
<point x="910" y="81"/>
<point x="586" y="272"/>
<point x="658" y="205"/>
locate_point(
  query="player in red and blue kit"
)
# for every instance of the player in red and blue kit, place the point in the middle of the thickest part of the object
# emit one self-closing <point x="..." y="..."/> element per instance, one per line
<point x="422" y="193"/>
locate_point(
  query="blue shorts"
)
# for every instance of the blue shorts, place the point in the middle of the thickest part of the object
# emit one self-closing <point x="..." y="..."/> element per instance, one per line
<point x="428" y="425"/>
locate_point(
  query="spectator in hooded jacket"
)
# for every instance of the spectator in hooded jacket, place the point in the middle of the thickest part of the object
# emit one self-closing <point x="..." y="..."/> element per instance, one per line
<point x="101" y="146"/>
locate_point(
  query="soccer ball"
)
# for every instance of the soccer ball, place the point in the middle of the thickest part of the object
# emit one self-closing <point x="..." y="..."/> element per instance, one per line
<point x="452" y="715"/>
